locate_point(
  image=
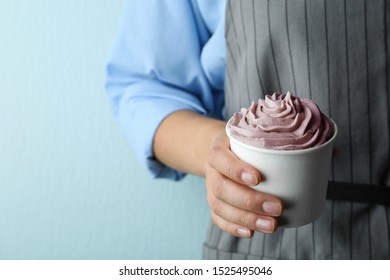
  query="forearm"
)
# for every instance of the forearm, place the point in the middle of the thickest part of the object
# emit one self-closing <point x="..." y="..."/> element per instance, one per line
<point x="182" y="140"/>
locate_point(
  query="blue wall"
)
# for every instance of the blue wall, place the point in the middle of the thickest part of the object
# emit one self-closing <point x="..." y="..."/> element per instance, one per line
<point x="70" y="187"/>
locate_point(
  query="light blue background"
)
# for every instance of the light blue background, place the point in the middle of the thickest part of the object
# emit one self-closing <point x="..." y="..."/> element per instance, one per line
<point x="70" y="187"/>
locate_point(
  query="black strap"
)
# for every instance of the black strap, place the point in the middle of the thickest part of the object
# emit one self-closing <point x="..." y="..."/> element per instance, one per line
<point x="365" y="193"/>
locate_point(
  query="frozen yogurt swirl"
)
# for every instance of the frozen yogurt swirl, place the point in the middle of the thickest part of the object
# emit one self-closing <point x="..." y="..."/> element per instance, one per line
<point x="281" y="122"/>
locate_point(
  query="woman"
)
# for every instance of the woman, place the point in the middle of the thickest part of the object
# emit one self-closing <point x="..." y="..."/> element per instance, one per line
<point x="168" y="70"/>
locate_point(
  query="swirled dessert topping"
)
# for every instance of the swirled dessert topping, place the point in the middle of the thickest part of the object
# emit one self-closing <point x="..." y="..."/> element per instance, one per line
<point x="281" y="122"/>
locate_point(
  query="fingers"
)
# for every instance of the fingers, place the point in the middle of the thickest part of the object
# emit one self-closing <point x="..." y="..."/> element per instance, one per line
<point x="240" y="196"/>
<point x="222" y="159"/>
<point x="235" y="207"/>
<point x="235" y="220"/>
<point x="238" y="209"/>
<point x="245" y="198"/>
<point x="231" y="228"/>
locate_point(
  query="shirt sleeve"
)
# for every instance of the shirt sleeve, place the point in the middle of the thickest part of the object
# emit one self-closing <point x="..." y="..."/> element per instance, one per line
<point x="154" y="70"/>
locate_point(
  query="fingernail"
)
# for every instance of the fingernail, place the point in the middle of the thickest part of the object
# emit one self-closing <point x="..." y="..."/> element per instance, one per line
<point x="264" y="225"/>
<point x="248" y="178"/>
<point x="244" y="232"/>
<point x="272" y="208"/>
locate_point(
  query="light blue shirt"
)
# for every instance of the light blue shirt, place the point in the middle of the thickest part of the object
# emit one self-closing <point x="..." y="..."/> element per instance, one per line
<point x="169" y="55"/>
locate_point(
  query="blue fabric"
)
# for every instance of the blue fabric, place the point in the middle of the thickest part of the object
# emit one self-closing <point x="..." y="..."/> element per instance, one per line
<point x="168" y="55"/>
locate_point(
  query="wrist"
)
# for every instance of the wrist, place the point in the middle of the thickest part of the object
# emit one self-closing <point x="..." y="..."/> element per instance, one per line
<point x="183" y="139"/>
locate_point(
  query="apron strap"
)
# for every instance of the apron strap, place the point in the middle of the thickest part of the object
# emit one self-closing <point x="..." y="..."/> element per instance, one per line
<point x="364" y="193"/>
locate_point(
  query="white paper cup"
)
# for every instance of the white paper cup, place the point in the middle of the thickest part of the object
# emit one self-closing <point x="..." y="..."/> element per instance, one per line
<point x="298" y="177"/>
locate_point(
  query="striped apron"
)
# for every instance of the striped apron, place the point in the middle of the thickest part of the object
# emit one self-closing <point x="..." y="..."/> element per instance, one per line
<point x="335" y="52"/>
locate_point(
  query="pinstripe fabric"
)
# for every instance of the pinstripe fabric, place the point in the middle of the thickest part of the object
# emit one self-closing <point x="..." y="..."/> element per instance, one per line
<point x="336" y="53"/>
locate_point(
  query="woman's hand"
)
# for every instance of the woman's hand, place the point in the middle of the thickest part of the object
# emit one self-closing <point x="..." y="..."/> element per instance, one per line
<point x="196" y="144"/>
<point x="235" y="207"/>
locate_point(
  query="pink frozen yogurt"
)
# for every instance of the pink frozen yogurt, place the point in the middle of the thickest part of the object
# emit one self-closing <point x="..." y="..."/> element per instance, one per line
<point x="281" y="122"/>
